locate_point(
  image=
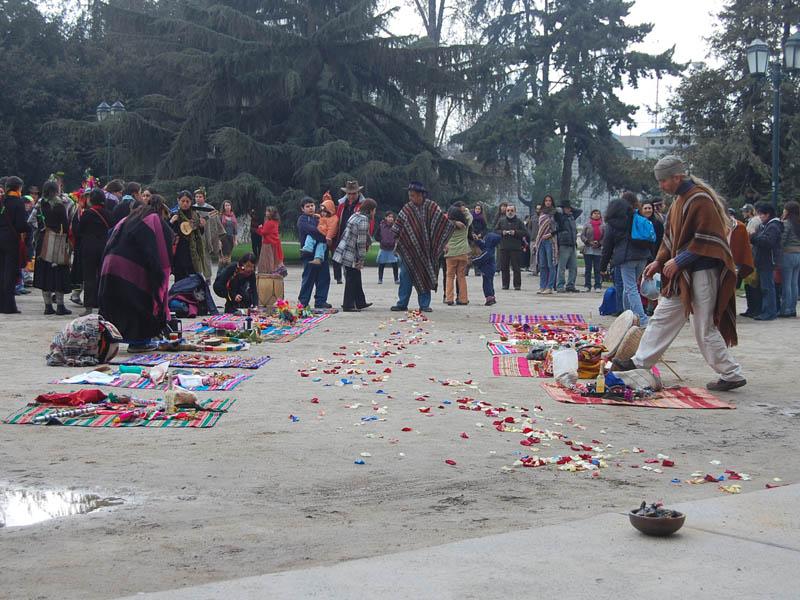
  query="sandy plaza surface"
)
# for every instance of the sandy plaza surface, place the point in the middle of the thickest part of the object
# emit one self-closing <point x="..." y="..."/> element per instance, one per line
<point x="262" y="492"/>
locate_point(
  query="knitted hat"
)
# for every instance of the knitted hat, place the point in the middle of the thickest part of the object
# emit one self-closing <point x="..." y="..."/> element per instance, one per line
<point x="669" y="166"/>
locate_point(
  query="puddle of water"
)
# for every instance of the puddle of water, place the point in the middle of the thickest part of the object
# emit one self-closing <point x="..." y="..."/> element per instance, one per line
<point x="26" y="506"/>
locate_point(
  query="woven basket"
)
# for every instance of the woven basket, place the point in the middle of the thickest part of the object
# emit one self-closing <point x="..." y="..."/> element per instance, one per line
<point x="629" y="344"/>
<point x="616" y="332"/>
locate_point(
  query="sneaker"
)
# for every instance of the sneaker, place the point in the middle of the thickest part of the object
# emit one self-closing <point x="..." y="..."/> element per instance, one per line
<point x="598" y="290"/>
<point x="587" y="290"/>
<point x="380" y="281"/>
<point x="426" y="309"/>
<point x="63" y="310"/>
<point x="560" y="291"/>
<point x="725" y="386"/>
<point x="547" y="292"/>
<point x="325" y="305"/>
<point x="462" y="303"/>
<point x="396" y="308"/>
<point x="449" y="303"/>
<point x="540" y="292"/>
<point x="490" y="301"/>
<point x="623" y="365"/>
<point x="573" y="290"/>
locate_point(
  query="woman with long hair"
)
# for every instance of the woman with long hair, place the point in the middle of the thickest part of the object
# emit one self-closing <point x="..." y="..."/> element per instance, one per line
<point x="51" y="272"/>
<point x="231" y="227"/>
<point x="188" y="227"/>
<point x="790" y="261"/>
<point x="546" y="247"/>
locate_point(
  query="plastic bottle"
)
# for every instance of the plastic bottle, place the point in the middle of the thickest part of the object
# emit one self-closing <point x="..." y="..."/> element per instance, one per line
<point x="600" y="386"/>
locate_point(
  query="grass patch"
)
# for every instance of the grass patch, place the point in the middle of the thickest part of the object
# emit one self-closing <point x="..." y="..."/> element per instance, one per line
<point x="291" y="253"/>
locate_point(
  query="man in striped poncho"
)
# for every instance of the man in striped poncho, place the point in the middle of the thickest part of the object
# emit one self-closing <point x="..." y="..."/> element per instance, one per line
<point x="422" y="231"/>
<point x="699" y="279"/>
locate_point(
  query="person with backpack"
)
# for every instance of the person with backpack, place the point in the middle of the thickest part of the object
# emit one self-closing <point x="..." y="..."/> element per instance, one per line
<point x="627" y="242"/>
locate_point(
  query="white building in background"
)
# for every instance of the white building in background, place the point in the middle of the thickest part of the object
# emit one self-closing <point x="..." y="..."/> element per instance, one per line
<point x="652" y="144"/>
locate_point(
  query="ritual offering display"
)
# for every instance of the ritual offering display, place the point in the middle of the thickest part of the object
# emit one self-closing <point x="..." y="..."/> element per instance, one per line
<point x="656" y="520"/>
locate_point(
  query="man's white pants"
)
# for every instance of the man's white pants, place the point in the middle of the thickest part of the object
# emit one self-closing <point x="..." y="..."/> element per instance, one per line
<point x="669" y="318"/>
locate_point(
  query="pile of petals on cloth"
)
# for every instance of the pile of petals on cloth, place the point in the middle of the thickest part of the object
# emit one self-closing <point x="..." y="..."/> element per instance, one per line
<point x="259" y="326"/>
<point x="158" y="378"/>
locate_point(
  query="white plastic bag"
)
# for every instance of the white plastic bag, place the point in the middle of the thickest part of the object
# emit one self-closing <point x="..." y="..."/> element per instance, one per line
<point x="565" y="360"/>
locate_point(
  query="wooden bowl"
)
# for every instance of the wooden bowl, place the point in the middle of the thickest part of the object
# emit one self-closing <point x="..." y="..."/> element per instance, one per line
<point x="656" y="526"/>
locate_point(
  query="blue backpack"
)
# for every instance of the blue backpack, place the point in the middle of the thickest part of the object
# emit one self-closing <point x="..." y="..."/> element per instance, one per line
<point x="642" y="231"/>
<point x="609" y="304"/>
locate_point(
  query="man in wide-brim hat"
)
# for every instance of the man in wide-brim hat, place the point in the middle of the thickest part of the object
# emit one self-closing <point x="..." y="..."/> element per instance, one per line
<point x="347" y="205"/>
<point x="422" y="231"/>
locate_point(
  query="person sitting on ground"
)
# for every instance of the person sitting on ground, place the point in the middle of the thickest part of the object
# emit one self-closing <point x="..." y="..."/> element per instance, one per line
<point x="767" y="255"/>
<point x="237" y="284"/>
<point x="698" y="279"/>
<point x="328" y="225"/>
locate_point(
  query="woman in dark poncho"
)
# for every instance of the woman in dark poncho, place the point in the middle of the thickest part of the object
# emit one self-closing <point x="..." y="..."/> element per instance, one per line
<point x="92" y="234"/>
<point x="237" y="284"/>
<point x="134" y="279"/>
<point x="51" y="277"/>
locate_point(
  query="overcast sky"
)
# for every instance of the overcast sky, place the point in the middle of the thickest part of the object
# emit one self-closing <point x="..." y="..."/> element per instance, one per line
<point x="683" y="23"/>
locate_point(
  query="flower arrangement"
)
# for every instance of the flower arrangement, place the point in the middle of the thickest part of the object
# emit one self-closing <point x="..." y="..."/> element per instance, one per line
<point x="289" y="314"/>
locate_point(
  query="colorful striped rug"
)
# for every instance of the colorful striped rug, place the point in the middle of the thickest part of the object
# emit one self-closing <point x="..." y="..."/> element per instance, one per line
<point x="272" y="329"/>
<point x="565" y="319"/>
<point x="499" y="348"/>
<point x="195" y="361"/>
<point x="679" y="397"/>
<point x="201" y="420"/>
<point x="515" y="366"/>
<point x="144" y="383"/>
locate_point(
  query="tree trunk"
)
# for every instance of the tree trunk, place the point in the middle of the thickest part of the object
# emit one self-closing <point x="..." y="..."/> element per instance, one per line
<point x="566" y="170"/>
<point x="430" y="118"/>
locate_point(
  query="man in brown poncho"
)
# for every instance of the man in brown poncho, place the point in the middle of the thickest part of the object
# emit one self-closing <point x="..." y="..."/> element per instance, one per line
<point x="698" y="279"/>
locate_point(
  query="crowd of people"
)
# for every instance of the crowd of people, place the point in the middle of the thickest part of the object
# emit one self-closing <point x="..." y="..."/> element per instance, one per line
<point x="117" y="249"/>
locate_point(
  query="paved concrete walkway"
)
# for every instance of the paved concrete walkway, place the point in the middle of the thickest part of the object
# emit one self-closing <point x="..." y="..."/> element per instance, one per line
<point x="744" y="546"/>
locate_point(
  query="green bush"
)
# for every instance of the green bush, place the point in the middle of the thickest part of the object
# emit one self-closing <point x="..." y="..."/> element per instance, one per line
<point x="291" y="253"/>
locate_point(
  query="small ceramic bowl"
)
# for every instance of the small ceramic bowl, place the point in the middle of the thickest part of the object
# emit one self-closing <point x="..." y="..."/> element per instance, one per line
<point x="656" y="526"/>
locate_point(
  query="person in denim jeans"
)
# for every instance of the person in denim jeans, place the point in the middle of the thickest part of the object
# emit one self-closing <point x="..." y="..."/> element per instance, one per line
<point x="790" y="262"/>
<point x="592" y="237"/>
<point x="767" y="255"/>
<point x="628" y="255"/>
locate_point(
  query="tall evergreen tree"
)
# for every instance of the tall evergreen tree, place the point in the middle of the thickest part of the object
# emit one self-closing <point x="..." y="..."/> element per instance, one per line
<point x="566" y="61"/>
<point x="723" y="115"/>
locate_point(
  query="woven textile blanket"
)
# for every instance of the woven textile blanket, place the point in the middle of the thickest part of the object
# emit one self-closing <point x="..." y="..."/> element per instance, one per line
<point x="679" y="397"/>
<point x="199" y="361"/>
<point x="566" y="319"/>
<point x="201" y="419"/>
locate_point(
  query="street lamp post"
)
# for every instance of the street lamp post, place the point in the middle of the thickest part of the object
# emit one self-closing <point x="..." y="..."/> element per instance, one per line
<point x="758" y="62"/>
<point x="104" y="111"/>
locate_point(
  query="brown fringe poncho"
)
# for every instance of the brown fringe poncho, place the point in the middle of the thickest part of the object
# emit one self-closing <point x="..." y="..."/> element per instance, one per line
<point x="698" y="223"/>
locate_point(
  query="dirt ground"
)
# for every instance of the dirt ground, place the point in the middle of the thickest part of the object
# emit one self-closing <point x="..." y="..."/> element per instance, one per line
<point x="260" y="492"/>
